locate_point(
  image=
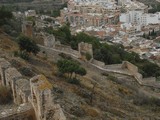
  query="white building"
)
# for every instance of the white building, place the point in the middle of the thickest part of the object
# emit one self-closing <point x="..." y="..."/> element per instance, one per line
<point x="124" y="18"/>
<point x="129" y="26"/>
<point x="123" y="2"/>
<point x="147" y="19"/>
<point x="133" y="16"/>
<point x="30" y="13"/>
<point x="138" y="17"/>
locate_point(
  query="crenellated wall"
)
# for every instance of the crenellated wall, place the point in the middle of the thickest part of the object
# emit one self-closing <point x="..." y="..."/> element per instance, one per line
<point x="98" y="63"/>
<point x="150" y="82"/>
<point x="126" y="68"/>
<point x="85" y="48"/>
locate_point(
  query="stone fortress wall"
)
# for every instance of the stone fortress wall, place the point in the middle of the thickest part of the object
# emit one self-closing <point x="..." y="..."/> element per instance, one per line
<point x="33" y="97"/>
<point x="98" y="63"/>
<point x="125" y="68"/>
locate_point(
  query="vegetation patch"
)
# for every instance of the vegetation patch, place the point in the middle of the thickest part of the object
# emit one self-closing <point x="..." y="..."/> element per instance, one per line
<point x="74" y="81"/>
<point x="5" y="95"/>
<point x="26" y="47"/>
<point x="26" y="71"/>
<point x="72" y="69"/>
<point x="142" y="99"/>
<point x="77" y="111"/>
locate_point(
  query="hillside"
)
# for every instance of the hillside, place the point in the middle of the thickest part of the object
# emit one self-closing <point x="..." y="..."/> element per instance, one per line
<point x="149" y="2"/>
<point x="14" y="1"/>
<point x="115" y="96"/>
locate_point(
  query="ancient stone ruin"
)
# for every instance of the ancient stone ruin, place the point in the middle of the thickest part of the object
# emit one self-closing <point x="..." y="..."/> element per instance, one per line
<point x="27" y="29"/>
<point x="33" y="97"/>
<point x="49" y="41"/>
<point x="85" y="48"/>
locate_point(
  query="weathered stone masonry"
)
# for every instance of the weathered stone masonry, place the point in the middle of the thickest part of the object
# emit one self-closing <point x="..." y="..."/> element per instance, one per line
<point x="32" y="96"/>
<point x="126" y="68"/>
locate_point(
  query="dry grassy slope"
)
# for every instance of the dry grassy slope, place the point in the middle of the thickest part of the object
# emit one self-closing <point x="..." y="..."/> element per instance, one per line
<point x="7" y="46"/>
<point x="111" y="101"/>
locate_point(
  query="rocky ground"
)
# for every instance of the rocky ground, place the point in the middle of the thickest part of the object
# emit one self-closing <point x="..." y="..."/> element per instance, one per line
<point x="114" y="97"/>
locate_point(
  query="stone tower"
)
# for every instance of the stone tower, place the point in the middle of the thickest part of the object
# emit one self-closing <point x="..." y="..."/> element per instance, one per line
<point x="27" y="29"/>
<point x="49" y="41"/>
<point x="85" y="48"/>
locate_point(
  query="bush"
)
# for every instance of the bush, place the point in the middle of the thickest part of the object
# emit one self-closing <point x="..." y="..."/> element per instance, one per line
<point x="22" y="54"/>
<point x="26" y="71"/>
<point x="88" y="56"/>
<point x="64" y="56"/>
<point x="142" y="99"/>
<point x="158" y="78"/>
<point x="27" y="44"/>
<point x="74" y="81"/>
<point x="15" y="53"/>
<point x="113" y="78"/>
<point x="5" y="95"/>
<point x="77" y="111"/>
<point x="105" y="74"/>
<point x="5" y="15"/>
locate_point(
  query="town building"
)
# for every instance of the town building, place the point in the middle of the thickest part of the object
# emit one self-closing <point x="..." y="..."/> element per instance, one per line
<point x="90" y="13"/>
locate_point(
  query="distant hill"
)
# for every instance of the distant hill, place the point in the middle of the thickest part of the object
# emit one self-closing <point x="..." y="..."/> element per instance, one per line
<point x="14" y="1"/>
<point x="149" y="2"/>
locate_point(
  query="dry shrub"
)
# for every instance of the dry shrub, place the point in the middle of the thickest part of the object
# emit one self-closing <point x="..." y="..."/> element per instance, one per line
<point x="5" y="95"/>
<point x="142" y="99"/>
<point x="91" y="111"/>
<point x="124" y="91"/>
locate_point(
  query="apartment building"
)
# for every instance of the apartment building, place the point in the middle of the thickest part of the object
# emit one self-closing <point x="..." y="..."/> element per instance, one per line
<point x="138" y="17"/>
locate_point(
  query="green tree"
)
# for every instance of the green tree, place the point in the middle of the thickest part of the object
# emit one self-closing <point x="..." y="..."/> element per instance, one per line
<point x="144" y="35"/>
<point x="88" y="56"/>
<point x="28" y="45"/>
<point x="151" y="69"/>
<point x="69" y="67"/>
<point x="5" y="15"/>
<point x="66" y="29"/>
<point x="80" y="71"/>
<point x="149" y="34"/>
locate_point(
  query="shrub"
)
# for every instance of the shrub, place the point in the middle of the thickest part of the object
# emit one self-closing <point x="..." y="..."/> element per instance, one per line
<point x="77" y="111"/>
<point x="113" y="78"/>
<point x="24" y="55"/>
<point x="88" y="56"/>
<point x="27" y="44"/>
<point x="15" y="53"/>
<point x="74" y="81"/>
<point x="158" y="78"/>
<point x="64" y="56"/>
<point x="26" y="71"/>
<point x="105" y="74"/>
<point x="5" y="95"/>
<point x="142" y="99"/>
